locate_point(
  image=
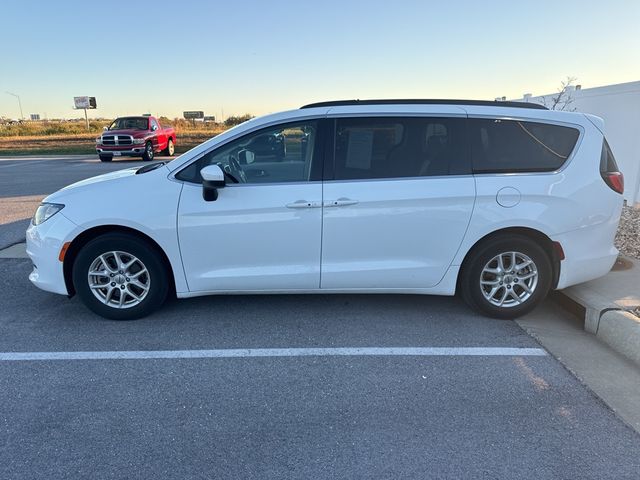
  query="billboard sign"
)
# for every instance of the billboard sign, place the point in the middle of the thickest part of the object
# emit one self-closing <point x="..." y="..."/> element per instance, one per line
<point x="210" y="118"/>
<point x="84" y="102"/>
<point x="35" y="117"/>
<point x="192" y="115"/>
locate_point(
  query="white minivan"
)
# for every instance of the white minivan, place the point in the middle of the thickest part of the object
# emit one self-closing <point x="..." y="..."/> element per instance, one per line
<point x="499" y="201"/>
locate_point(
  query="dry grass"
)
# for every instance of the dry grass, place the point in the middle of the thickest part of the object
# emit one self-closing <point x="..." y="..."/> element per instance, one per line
<point x="72" y="137"/>
<point x="54" y="128"/>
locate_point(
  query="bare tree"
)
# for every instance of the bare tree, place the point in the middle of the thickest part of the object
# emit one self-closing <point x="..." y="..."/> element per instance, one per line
<point x="563" y="99"/>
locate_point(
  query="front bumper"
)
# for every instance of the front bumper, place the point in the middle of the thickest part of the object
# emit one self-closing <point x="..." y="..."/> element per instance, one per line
<point x="44" y="243"/>
<point x="129" y="152"/>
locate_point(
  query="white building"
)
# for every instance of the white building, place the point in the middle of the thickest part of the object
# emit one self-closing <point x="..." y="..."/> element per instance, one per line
<point x="619" y="106"/>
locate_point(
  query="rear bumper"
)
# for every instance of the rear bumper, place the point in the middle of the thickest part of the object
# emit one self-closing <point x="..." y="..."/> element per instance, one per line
<point x="589" y="253"/>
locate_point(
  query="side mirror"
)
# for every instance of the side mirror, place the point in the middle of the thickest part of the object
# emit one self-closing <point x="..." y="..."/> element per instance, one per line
<point x="154" y="128"/>
<point x="105" y="128"/>
<point x="212" y="180"/>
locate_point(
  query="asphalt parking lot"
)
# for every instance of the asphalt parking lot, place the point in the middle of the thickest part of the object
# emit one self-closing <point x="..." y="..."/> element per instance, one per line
<point x="339" y="412"/>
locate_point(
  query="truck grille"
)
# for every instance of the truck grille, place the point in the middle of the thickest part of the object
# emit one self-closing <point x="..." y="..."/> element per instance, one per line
<point x="117" y="140"/>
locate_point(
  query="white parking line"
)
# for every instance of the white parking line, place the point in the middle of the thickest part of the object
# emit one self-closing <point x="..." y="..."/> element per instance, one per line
<point x="21" y="163"/>
<point x="276" y="352"/>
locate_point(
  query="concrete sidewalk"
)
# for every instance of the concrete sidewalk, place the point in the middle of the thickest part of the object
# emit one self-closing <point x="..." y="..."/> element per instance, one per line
<point x="609" y="303"/>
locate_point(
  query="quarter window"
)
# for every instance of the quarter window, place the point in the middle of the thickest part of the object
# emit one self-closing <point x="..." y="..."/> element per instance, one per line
<point x="511" y="146"/>
<point x="273" y="155"/>
<point x="400" y="147"/>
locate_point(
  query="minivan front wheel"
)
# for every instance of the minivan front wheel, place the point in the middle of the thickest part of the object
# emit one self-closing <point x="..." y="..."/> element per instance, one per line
<point x="506" y="277"/>
<point x="120" y="277"/>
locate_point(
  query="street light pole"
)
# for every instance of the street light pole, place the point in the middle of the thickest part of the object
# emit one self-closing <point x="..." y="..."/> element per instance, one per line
<point x="19" y="104"/>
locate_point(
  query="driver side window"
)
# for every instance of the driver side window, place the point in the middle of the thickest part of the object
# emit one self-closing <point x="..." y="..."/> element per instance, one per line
<point x="284" y="153"/>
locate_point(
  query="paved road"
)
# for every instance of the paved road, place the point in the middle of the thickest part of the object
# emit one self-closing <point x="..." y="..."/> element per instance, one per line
<point x="292" y="417"/>
<point x="25" y="181"/>
<point x="453" y="416"/>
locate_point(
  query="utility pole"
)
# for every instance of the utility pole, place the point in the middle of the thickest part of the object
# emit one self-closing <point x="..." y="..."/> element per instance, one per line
<point x="19" y="103"/>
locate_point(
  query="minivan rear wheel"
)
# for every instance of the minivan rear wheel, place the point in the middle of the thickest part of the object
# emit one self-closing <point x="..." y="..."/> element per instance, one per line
<point x="506" y="277"/>
<point x="121" y="277"/>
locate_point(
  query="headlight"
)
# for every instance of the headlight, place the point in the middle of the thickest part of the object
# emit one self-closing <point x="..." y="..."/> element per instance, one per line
<point x="99" y="140"/>
<point x="45" y="211"/>
<point x="138" y="141"/>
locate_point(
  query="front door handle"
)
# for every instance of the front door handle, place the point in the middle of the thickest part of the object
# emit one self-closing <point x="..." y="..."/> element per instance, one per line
<point x="341" y="202"/>
<point x="303" y="204"/>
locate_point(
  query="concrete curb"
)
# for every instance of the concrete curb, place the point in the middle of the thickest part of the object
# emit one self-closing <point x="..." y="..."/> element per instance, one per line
<point x="593" y="303"/>
<point x="606" y="304"/>
<point x="621" y="331"/>
<point x="614" y="325"/>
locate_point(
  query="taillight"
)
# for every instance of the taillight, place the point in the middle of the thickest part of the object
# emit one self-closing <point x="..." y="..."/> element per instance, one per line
<point x="609" y="171"/>
<point x="615" y="180"/>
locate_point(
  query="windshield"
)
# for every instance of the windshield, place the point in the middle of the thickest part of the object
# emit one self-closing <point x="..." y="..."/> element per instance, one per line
<point x="129" y="123"/>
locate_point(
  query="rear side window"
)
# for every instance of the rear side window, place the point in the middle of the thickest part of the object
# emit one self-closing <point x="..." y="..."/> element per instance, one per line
<point x="400" y="147"/>
<point x="511" y="146"/>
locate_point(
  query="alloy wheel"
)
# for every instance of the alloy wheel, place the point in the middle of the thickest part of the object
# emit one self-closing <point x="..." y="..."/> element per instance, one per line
<point x="119" y="279"/>
<point x="509" y="279"/>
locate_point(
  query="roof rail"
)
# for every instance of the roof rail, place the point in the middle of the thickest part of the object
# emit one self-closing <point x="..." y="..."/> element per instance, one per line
<point x="490" y="103"/>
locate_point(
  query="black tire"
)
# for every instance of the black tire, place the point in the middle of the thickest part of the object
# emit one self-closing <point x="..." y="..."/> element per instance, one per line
<point x="150" y="258"/>
<point x="170" y="150"/>
<point x="105" y="158"/>
<point x="472" y="273"/>
<point x="148" y="154"/>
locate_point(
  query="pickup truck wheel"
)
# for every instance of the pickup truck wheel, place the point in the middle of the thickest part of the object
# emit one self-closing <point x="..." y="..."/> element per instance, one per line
<point x="170" y="150"/>
<point x="105" y="158"/>
<point x="148" y="152"/>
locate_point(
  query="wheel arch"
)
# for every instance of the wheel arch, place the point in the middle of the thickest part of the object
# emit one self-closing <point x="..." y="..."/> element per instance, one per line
<point x="86" y="236"/>
<point x="551" y="248"/>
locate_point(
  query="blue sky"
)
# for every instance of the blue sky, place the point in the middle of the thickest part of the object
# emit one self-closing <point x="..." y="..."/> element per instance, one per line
<point x="261" y="56"/>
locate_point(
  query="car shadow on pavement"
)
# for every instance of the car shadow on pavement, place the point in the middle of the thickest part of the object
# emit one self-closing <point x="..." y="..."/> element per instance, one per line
<point x="35" y="320"/>
<point x="13" y="232"/>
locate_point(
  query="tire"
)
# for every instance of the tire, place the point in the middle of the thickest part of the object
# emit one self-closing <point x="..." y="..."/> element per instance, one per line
<point x="170" y="150"/>
<point x="105" y="158"/>
<point x="121" y="298"/>
<point x="483" y="266"/>
<point x="148" y="154"/>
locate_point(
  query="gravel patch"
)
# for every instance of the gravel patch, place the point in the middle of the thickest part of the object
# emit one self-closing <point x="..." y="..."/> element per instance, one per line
<point x="628" y="237"/>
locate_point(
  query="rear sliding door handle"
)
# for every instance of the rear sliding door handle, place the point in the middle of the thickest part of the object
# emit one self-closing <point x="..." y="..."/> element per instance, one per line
<point x="341" y="202"/>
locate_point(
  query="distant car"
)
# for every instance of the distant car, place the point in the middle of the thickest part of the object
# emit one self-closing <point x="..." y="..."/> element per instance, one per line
<point x="498" y="201"/>
<point x="135" y="137"/>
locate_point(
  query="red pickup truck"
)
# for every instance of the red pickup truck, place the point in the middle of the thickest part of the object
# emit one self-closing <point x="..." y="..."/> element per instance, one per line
<point x="135" y="137"/>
